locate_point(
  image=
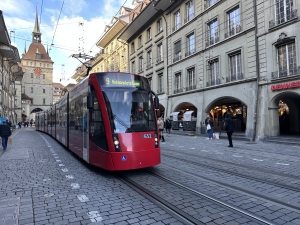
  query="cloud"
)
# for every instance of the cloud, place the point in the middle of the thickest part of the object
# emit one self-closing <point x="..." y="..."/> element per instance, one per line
<point x="13" y="7"/>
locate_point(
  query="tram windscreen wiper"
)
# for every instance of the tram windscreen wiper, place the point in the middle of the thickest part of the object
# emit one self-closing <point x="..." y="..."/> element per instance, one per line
<point x="128" y="129"/>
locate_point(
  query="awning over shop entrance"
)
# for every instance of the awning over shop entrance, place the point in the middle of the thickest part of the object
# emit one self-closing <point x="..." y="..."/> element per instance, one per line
<point x="187" y="116"/>
<point x="175" y="116"/>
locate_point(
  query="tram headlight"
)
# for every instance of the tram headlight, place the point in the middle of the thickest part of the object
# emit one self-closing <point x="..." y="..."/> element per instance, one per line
<point x="116" y="142"/>
<point x="156" y="139"/>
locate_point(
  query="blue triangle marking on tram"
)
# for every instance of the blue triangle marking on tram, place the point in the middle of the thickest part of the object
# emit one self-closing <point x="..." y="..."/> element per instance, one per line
<point x="124" y="158"/>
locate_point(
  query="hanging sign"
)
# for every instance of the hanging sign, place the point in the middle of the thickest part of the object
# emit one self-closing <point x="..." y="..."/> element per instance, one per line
<point x="289" y="85"/>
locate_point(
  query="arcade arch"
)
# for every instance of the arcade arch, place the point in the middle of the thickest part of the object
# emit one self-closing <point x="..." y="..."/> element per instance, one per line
<point x="220" y="106"/>
<point x="184" y="116"/>
<point x="286" y="120"/>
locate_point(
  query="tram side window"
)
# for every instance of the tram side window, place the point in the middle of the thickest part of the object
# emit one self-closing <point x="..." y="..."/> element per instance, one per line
<point x="98" y="136"/>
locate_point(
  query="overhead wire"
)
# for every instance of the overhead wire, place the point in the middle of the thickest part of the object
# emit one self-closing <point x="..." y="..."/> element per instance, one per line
<point x="56" y="24"/>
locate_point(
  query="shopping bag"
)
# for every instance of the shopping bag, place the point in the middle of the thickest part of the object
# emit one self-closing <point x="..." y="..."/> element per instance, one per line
<point x="216" y="136"/>
<point x="208" y="127"/>
<point x="9" y="141"/>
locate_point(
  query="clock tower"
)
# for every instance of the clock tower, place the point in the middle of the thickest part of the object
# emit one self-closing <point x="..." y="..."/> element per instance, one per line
<point x="36" y="87"/>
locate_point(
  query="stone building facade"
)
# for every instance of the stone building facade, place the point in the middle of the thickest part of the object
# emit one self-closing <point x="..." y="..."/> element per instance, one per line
<point x="10" y="75"/>
<point x="209" y="64"/>
<point x="278" y="37"/>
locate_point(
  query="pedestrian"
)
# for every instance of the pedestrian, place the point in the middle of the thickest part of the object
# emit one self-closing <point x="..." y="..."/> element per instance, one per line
<point x="160" y="124"/>
<point x="5" y="132"/>
<point x="209" y="127"/>
<point x="168" y="125"/>
<point x="229" y="127"/>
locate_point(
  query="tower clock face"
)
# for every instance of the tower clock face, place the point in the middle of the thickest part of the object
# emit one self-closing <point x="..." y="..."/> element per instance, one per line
<point x="37" y="71"/>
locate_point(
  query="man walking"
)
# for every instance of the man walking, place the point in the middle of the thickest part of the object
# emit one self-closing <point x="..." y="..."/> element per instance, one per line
<point x="168" y="125"/>
<point x="5" y="132"/>
<point x="229" y="127"/>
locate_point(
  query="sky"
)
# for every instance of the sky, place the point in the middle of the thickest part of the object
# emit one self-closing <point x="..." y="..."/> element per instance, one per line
<point x="67" y="26"/>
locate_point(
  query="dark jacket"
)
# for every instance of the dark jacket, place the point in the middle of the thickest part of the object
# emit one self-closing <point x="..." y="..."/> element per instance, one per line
<point x="229" y="123"/>
<point x="168" y="124"/>
<point x="210" y="121"/>
<point x="4" y="130"/>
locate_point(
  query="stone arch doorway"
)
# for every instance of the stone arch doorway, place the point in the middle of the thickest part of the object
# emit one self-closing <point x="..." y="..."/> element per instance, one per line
<point x="161" y="111"/>
<point x="287" y="117"/>
<point x="184" y="116"/>
<point x="32" y="114"/>
<point x="221" y="106"/>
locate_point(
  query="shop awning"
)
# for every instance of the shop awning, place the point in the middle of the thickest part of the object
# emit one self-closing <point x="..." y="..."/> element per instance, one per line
<point x="187" y="116"/>
<point x="174" y="114"/>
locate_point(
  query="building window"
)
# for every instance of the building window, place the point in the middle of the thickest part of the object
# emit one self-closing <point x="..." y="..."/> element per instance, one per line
<point x="141" y="68"/>
<point x="190" y="44"/>
<point x="178" y="83"/>
<point x="214" y="76"/>
<point x="140" y="42"/>
<point x="235" y="67"/>
<point x="44" y="90"/>
<point x="132" y="47"/>
<point x="212" y="33"/>
<point x="287" y="60"/>
<point x="149" y="59"/>
<point x="159" y="53"/>
<point x="149" y="37"/>
<point x="177" y="51"/>
<point x="150" y="82"/>
<point x="133" y="67"/>
<point x="159" y="26"/>
<point x="31" y="90"/>
<point x="209" y="3"/>
<point x="283" y="12"/>
<point x="191" y="79"/>
<point x="189" y="11"/>
<point x="31" y="75"/>
<point x="44" y="101"/>
<point x="160" y="83"/>
<point x="234" y="22"/>
<point x="112" y="47"/>
<point x="177" y="21"/>
<point x="43" y="76"/>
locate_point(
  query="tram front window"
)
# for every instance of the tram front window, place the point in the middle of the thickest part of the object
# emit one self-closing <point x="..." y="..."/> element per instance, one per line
<point x="130" y="110"/>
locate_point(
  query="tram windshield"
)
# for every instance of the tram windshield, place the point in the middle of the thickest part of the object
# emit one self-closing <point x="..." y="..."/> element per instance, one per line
<point x="130" y="109"/>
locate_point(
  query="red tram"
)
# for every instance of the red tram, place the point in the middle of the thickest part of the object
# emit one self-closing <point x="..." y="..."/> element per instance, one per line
<point x="109" y="120"/>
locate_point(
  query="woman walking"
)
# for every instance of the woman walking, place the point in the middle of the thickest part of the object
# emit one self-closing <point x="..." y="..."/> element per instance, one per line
<point x="209" y="127"/>
<point x="160" y="124"/>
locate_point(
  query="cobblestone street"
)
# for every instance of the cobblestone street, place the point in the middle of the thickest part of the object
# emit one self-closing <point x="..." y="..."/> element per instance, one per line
<point x="43" y="183"/>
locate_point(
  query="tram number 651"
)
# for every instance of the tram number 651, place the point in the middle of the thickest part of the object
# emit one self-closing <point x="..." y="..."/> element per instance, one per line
<point x="147" y="135"/>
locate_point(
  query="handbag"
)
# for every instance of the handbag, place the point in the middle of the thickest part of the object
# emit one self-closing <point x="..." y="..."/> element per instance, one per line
<point x="9" y="141"/>
<point x="208" y="127"/>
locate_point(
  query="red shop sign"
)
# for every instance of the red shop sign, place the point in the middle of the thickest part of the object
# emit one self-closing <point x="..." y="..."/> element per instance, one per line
<point x="289" y="85"/>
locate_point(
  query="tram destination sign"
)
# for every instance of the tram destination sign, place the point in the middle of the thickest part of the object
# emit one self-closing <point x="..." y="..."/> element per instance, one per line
<point x="289" y="85"/>
<point x="120" y="80"/>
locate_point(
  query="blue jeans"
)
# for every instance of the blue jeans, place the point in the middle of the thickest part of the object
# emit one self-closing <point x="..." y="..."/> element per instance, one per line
<point x="4" y="141"/>
<point x="209" y="133"/>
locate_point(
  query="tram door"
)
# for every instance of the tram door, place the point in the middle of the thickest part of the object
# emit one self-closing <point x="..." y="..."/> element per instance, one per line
<point x="85" y="130"/>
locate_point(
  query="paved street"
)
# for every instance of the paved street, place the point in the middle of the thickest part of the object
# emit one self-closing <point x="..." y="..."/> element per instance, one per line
<point x="43" y="183"/>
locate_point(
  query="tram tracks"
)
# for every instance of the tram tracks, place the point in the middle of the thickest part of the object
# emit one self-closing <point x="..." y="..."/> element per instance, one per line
<point x="204" y="161"/>
<point x="240" y="188"/>
<point x="186" y="204"/>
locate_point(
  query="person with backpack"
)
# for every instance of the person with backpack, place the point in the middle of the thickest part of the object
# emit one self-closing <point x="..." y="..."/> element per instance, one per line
<point x="5" y="132"/>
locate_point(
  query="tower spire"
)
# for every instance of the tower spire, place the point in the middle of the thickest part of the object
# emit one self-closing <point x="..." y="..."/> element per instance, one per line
<point x="24" y="49"/>
<point x="36" y="34"/>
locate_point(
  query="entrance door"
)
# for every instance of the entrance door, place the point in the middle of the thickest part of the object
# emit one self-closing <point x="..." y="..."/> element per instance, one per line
<point x="85" y="130"/>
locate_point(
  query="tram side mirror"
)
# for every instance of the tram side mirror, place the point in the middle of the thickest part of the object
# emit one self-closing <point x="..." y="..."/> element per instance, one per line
<point x="156" y="102"/>
<point x="89" y="100"/>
